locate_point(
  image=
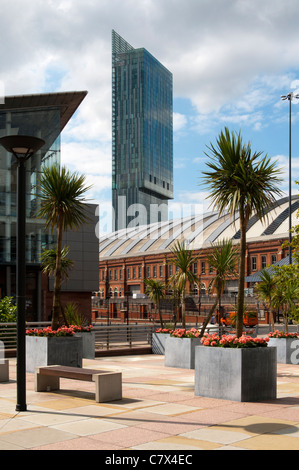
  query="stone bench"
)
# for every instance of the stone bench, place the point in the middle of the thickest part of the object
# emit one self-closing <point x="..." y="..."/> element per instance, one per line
<point x="4" y="370"/>
<point x="108" y="384"/>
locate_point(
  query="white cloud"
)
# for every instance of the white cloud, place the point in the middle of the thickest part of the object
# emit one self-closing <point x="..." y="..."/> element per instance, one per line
<point x="179" y="122"/>
<point x="228" y="57"/>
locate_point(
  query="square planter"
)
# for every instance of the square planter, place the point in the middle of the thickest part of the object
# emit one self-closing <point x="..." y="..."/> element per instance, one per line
<point x="239" y="374"/>
<point x="4" y="370"/>
<point x="88" y="344"/>
<point x="287" y="349"/>
<point x="180" y="352"/>
<point x="158" y="343"/>
<point x="49" y="351"/>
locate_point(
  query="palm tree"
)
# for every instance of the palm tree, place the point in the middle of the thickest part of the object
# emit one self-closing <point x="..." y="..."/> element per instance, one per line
<point x="156" y="291"/>
<point x="183" y="261"/>
<point x="240" y="183"/>
<point x="223" y="259"/>
<point x="265" y="290"/>
<point x="48" y="262"/>
<point x="62" y="206"/>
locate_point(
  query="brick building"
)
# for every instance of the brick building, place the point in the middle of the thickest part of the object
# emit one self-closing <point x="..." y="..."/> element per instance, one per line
<point x="129" y="256"/>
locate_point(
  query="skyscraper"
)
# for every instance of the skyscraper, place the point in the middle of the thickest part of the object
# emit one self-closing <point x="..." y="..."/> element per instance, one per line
<point x="142" y="136"/>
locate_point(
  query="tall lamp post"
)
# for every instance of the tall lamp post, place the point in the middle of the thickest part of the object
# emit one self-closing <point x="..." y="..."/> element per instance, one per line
<point x="290" y="97"/>
<point x="22" y="147"/>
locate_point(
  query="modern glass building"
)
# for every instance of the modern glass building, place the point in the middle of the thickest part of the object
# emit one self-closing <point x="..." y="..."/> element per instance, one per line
<point x="43" y="116"/>
<point x="142" y="136"/>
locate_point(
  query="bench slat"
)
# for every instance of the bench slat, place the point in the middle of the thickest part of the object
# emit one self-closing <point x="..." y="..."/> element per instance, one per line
<point x="70" y="372"/>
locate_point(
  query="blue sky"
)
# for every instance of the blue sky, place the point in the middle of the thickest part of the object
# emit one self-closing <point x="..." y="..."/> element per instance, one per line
<point x="231" y="61"/>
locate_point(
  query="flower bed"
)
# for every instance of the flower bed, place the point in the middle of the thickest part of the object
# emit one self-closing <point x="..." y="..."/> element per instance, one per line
<point x="232" y="341"/>
<point x="81" y="329"/>
<point x="282" y="334"/>
<point x="164" y="330"/>
<point x="183" y="333"/>
<point x="63" y="331"/>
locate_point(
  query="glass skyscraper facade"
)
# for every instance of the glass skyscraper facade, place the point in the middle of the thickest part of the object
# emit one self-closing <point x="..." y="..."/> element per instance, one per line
<point x="142" y="136"/>
<point x="43" y="116"/>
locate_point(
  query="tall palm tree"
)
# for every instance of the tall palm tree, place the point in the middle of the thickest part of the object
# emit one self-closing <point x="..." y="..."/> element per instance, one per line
<point x="241" y="183"/>
<point x="155" y="289"/>
<point x="183" y="261"/>
<point x="48" y="262"/>
<point x="265" y="290"/>
<point x="62" y="206"/>
<point x="224" y="259"/>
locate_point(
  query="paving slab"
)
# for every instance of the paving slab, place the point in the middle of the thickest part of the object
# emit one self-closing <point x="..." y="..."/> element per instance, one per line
<point x="158" y="411"/>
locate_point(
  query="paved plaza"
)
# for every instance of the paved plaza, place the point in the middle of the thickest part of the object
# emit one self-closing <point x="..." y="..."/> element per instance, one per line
<point x="158" y="412"/>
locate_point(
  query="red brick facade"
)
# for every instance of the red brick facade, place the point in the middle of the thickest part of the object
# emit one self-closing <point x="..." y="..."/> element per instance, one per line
<point x="120" y="275"/>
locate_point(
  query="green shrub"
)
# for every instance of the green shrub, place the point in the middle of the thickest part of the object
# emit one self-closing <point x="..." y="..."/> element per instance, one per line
<point x="8" y="310"/>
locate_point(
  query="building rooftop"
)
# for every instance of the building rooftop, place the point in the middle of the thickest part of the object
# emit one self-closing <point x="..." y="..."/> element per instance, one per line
<point x="68" y="102"/>
<point x="198" y="230"/>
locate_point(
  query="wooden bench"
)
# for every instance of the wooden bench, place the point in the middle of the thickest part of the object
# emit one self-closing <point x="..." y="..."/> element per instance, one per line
<point x="108" y="384"/>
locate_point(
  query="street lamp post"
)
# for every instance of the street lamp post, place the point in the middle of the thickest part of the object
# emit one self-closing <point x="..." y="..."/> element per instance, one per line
<point x="22" y="147"/>
<point x="290" y="97"/>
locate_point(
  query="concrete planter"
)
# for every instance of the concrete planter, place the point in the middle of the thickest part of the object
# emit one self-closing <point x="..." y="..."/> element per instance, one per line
<point x="180" y="352"/>
<point x="239" y="374"/>
<point x="88" y="344"/>
<point x="158" y="342"/>
<point x="47" y="351"/>
<point x="287" y="349"/>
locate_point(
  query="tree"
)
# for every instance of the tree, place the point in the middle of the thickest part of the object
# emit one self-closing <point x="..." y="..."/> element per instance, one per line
<point x="48" y="261"/>
<point x="241" y="183"/>
<point x="156" y="291"/>
<point x="224" y="259"/>
<point x="183" y="261"/>
<point x="286" y="295"/>
<point x="265" y="290"/>
<point x="62" y="206"/>
<point x="8" y="310"/>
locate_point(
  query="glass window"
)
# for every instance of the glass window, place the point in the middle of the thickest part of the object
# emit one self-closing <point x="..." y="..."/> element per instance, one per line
<point x="264" y="261"/>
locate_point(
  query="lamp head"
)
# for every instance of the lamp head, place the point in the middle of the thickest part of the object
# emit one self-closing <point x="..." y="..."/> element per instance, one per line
<point x="21" y="146"/>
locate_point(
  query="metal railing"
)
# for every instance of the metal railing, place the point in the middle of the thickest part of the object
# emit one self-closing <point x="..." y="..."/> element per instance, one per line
<point x="8" y="332"/>
<point x="122" y="336"/>
<point x="106" y="337"/>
